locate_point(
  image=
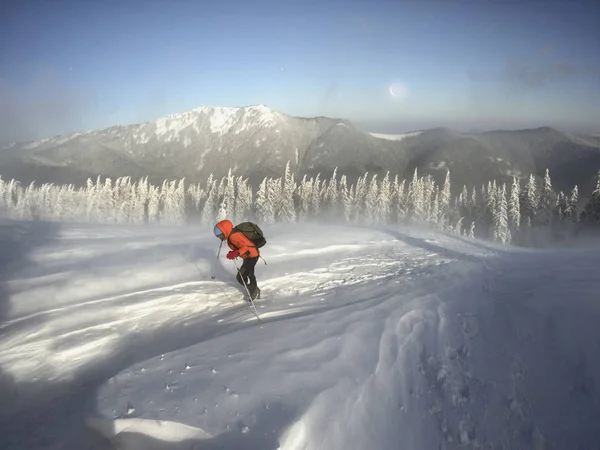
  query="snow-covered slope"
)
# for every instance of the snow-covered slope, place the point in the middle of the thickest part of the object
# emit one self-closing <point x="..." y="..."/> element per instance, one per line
<point x="221" y="120"/>
<point x="114" y="337"/>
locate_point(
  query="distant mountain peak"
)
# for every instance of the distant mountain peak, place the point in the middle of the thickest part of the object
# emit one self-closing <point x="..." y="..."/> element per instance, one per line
<point x="218" y="120"/>
<point x="257" y="141"/>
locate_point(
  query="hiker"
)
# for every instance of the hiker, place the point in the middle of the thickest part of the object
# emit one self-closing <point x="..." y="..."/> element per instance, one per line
<point x="243" y="247"/>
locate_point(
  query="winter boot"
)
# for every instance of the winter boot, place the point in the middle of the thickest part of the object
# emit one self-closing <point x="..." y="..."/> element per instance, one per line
<point x="254" y="292"/>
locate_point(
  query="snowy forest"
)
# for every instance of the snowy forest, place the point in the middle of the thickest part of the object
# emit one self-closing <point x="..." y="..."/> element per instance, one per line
<point x="525" y="213"/>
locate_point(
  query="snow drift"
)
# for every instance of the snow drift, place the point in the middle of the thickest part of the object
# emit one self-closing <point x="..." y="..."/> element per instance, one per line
<point x="371" y="338"/>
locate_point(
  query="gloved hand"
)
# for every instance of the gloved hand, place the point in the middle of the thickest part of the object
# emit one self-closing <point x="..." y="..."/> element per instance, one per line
<point x="233" y="254"/>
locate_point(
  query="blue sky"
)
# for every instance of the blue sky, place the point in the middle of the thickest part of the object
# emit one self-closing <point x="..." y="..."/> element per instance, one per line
<point x="69" y="66"/>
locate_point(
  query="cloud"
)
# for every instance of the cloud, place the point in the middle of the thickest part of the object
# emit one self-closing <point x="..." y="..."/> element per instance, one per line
<point x="46" y="107"/>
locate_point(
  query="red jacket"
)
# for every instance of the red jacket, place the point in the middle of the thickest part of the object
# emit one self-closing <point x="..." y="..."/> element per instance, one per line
<point x="237" y="240"/>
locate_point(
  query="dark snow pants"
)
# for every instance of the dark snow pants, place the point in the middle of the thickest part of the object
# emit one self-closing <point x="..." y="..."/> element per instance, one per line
<point x="247" y="272"/>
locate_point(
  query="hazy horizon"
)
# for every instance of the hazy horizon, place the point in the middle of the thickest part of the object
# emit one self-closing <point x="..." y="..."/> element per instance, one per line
<point x="386" y="66"/>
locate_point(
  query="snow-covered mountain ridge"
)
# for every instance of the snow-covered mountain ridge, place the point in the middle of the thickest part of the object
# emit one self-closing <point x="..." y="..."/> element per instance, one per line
<point x="256" y="141"/>
<point x="220" y="120"/>
<point x="177" y="127"/>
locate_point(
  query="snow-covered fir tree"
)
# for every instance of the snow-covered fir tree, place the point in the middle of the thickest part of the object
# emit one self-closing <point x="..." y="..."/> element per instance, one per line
<point x="416" y="199"/>
<point x="330" y="201"/>
<point x="530" y="199"/>
<point x="384" y="201"/>
<point x="501" y="228"/>
<point x="209" y="211"/>
<point x="275" y="193"/>
<point x="572" y="208"/>
<point x="141" y="198"/>
<point x="222" y="201"/>
<point x="472" y="230"/>
<point x="398" y="206"/>
<point x="561" y="206"/>
<point x="229" y="196"/>
<point x="287" y="211"/>
<point x="429" y="190"/>
<point x="304" y="195"/>
<point x="435" y="216"/>
<point x="370" y="206"/>
<point x="373" y="198"/>
<point x="154" y="205"/>
<point x="315" y="198"/>
<point x="591" y="212"/>
<point x="173" y="202"/>
<point x="347" y="199"/>
<point x="243" y="201"/>
<point x="360" y="192"/>
<point x="265" y="209"/>
<point x="514" y="208"/>
<point x="464" y="202"/>
<point x="547" y="200"/>
<point x="444" y="202"/>
<point x="489" y="196"/>
<point x="458" y="228"/>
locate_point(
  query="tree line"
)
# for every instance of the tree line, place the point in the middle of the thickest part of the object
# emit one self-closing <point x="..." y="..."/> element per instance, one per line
<point x="525" y="213"/>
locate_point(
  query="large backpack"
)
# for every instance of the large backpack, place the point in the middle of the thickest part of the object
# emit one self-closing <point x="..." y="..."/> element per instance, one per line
<point x="252" y="232"/>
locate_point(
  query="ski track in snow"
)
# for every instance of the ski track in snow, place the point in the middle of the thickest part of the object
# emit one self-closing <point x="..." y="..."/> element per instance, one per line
<point x="117" y="337"/>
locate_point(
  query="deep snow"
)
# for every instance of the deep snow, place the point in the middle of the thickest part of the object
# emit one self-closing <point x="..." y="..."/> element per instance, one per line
<point x="117" y="337"/>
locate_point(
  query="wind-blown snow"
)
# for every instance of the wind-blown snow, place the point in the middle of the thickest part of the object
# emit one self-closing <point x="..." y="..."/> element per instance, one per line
<point x="7" y="146"/>
<point x="370" y="339"/>
<point x="35" y="144"/>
